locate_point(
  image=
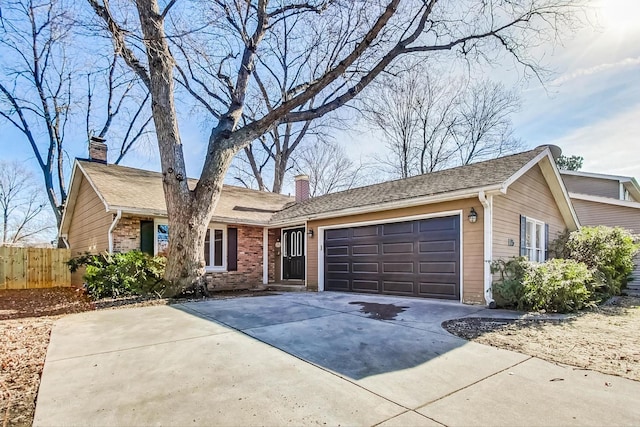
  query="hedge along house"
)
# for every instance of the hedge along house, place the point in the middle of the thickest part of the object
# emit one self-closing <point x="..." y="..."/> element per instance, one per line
<point x="432" y="235"/>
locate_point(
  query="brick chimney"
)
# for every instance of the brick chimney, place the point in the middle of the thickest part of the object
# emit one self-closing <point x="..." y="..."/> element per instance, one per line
<point x="97" y="149"/>
<point x="302" y="187"/>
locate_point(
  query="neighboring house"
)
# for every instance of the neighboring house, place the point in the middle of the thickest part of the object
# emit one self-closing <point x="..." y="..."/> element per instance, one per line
<point x="610" y="200"/>
<point x="432" y="235"/>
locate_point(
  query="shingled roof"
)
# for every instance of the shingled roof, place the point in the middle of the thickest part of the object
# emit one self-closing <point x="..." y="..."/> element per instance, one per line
<point x="475" y="176"/>
<point x="140" y="191"/>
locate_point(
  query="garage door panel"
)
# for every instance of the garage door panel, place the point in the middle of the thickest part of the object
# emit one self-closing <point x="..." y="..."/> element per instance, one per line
<point x="436" y="224"/>
<point x="337" y="234"/>
<point x="368" y="231"/>
<point x="397" y="287"/>
<point x="396" y="228"/>
<point x="338" y="284"/>
<point x="365" y="267"/>
<point x="397" y="267"/>
<point x="337" y="251"/>
<point x="438" y="267"/>
<point x="396" y="258"/>
<point x="398" y="248"/>
<point x="338" y="267"/>
<point x="358" y="250"/>
<point x="437" y="246"/>
<point x="366" y="285"/>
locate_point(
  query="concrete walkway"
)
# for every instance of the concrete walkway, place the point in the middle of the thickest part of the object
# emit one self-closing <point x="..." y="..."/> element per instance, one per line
<point x="308" y="359"/>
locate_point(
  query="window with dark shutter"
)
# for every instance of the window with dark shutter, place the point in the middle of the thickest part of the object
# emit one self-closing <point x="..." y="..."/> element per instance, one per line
<point x="232" y="249"/>
<point x="146" y="237"/>
<point x="523" y="235"/>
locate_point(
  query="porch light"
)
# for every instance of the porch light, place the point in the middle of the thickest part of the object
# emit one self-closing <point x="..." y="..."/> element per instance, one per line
<point x="473" y="216"/>
<point x="310" y="232"/>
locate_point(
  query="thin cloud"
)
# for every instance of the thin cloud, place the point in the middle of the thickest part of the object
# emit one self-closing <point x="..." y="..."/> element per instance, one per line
<point x="584" y="72"/>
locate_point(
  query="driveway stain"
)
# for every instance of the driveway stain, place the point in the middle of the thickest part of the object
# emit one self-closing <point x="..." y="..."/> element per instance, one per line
<point x="380" y="311"/>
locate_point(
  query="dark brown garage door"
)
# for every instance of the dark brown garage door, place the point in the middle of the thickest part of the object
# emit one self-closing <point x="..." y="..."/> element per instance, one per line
<point x="415" y="258"/>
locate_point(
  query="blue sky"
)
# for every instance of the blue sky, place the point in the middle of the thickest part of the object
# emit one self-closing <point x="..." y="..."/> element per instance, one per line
<point x="591" y="106"/>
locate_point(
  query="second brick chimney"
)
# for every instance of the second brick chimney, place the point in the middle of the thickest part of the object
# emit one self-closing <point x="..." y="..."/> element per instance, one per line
<point x="302" y="187"/>
<point x="97" y="149"/>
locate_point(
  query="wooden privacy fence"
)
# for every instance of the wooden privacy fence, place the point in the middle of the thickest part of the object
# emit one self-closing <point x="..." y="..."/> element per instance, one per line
<point x="31" y="268"/>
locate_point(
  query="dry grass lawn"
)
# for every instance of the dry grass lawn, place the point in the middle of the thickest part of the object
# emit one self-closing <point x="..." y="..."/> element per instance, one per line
<point x="605" y="339"/>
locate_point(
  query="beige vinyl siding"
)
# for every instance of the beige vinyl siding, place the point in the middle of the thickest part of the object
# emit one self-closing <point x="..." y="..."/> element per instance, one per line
<point x="89" y="226"/>
<point x="472" y="242"/>
<point x="594" y="213"/>
<point x="592" y="186"/>
<point x="529" y="196"/>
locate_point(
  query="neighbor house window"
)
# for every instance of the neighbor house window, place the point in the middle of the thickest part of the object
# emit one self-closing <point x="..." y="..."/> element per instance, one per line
<point x="215" y="246"/>
<point x="535" y="240"/>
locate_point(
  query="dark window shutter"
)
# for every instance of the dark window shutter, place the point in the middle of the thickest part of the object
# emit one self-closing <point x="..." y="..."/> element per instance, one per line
<point x="523" y="235"/>
<point x="146" y="237"/>
<point x="546" y="242"/>
<point x="232" y="249"/>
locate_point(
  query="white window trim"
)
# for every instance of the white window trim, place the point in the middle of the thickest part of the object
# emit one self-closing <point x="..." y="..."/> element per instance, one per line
<point x="535" y="246"/>
<point x="212" y="226"/>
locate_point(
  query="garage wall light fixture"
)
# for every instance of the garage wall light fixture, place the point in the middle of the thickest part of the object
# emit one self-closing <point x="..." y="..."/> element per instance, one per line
<point x="310" y="232"/>
<point x="473" y="216"/>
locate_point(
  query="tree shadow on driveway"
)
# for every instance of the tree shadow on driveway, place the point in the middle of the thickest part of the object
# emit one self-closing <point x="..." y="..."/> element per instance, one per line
<point x="344" y="336"/>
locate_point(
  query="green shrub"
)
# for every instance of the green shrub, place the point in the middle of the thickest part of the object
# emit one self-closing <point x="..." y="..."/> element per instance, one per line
<point x="557" y="285"/>
<point x="121" y="274"/>
<point x="508" y="291"/>
<point x="608" y="252"/>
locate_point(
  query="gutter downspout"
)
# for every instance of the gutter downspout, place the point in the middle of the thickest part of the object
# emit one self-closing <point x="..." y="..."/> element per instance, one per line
<point x="487" y="204"/>
<point x="112" y="227"/>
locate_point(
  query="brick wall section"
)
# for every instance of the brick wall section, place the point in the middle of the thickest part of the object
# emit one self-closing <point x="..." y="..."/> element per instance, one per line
<point x="126" y="236"/>
<point x="249" y="274"/>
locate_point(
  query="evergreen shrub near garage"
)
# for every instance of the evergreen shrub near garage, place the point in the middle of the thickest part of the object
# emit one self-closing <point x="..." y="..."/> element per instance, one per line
<point x="558" y="285"/>
<point x="121" y="274"/>
<point x="597" y="264"/>
<point x="608" y="252"/>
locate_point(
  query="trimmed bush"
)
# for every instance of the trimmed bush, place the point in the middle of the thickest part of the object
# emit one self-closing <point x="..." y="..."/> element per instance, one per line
<point x="508" y="291"/>
<point x="121" y="274"/>
<point x="557" y="285"/>
<point x="608" y="252"/>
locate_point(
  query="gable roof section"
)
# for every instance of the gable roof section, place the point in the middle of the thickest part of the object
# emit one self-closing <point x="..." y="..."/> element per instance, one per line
<point x="629" y="182"/>
<point x="138" y="191"/>
<point x="455" y="183"/>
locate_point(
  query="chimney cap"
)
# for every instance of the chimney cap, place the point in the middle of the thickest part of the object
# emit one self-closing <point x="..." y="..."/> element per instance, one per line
<point x="301" y="177"/>
<point x="98" y="139"/>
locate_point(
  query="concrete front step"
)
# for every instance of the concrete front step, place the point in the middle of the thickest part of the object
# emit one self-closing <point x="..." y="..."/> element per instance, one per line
<point x="279" y="287"/>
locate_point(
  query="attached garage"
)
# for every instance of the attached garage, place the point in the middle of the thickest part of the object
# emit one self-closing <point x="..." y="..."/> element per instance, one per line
<point x="411" y="258"/>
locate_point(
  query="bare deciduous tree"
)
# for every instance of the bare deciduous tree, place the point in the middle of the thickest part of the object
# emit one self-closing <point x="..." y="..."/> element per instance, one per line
<point x="23" y="206"/>
<point x="41" y="89"/>
<point x="358" y="40"/>
<point x="431" y="124"/>
<point x="483" y="125"/>
<point x="329" y="168"/>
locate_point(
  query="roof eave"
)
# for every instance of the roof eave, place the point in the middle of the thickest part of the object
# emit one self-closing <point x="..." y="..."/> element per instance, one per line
<point x="396" y="204"/>
<point x="160" y="213"/>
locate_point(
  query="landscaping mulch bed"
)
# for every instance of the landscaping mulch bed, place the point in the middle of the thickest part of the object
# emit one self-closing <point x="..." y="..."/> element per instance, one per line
<point x="604" y="339"/>
<point x="26" y="320"/>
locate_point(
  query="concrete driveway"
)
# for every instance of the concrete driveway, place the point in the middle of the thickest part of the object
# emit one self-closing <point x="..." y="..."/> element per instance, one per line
<point x="307" y="358"/>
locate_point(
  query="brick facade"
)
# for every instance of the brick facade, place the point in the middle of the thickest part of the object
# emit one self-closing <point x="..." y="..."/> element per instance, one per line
<point x="126" y="237"/>
<point x="249" y="274"/>
<point x="274" y="256"/>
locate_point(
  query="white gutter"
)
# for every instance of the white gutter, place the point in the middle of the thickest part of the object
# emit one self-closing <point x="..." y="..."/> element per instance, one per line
<point x="265" y="256"/>
<point x="487" y="204"/>
<point x="112" y="227"/>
